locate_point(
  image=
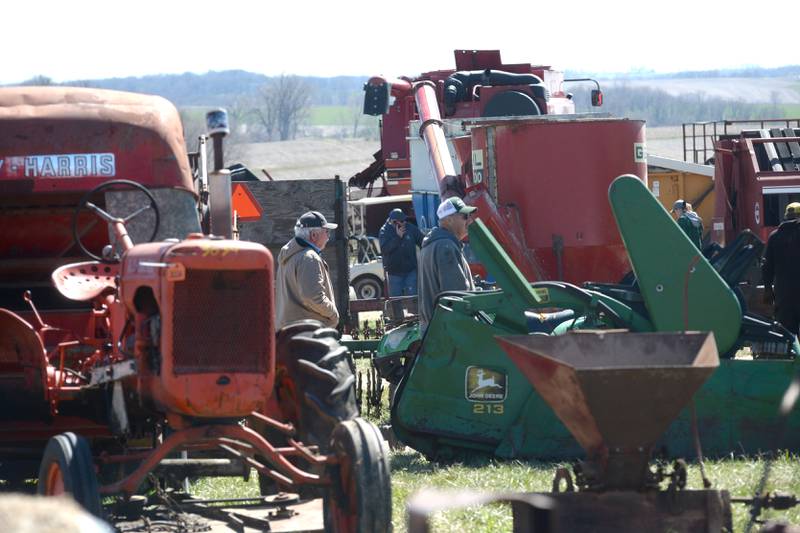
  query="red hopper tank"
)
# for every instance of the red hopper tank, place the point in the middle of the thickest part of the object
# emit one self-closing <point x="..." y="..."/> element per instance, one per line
<point x="549" y="177"/>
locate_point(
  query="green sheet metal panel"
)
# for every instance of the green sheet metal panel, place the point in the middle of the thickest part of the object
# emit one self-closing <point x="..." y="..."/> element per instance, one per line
<point x="681" y="290"/>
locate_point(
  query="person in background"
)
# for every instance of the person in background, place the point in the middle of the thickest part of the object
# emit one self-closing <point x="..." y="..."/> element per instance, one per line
<point x="689" y="221"/>
<point x="781" y="269"/>
<point x="303" y="288"/>
<point x="442" y="265"/>
<point x="399" y="241"/>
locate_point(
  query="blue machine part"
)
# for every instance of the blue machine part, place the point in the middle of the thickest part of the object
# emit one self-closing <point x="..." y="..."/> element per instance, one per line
<point x="425" y="204"/>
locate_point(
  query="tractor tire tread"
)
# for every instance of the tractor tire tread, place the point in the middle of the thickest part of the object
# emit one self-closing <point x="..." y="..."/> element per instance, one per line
<point x="75" y="461"/>
<point x="323" y="374"/>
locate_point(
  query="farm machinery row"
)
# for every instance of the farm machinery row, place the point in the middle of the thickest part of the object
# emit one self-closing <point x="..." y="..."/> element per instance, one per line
<point x="578" y="249"/>
<point x="573" y="241"/>
<point x="157" y="358"/>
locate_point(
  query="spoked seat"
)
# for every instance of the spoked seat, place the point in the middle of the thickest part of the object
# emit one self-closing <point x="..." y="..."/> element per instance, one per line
<point x="85" y="281"/>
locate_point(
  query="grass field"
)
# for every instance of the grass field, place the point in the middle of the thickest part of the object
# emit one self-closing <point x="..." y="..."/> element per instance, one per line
<point x="412" y="472"/>
<point x="330" y="115"/>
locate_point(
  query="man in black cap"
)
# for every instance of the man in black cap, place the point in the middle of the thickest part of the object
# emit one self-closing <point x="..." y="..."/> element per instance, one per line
<point x="303" y="287"/>
<point x="399" y="240"/>
<point x="689" y="221"/>
<point x="782" y="267"/>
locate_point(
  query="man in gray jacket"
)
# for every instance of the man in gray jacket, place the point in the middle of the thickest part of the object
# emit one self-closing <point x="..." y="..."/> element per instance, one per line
<point x="303" y="287"/>
<point x="442" y="265"/>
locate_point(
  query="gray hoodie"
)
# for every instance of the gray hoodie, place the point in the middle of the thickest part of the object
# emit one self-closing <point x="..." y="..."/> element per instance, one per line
<point x="442" y="267"/>
<point x="303" y="287"/>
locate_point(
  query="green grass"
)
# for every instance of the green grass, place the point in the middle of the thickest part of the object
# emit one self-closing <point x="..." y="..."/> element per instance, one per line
<point x="791" y="110"/>
<point x="339" y="115"/>
<point x="330" y="115"/>
<point x="411" y="472"/>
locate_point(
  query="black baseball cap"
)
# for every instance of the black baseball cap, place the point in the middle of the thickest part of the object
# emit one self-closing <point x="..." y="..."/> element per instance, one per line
<point x="314" y="219"/>
<point x="397" y="214"/>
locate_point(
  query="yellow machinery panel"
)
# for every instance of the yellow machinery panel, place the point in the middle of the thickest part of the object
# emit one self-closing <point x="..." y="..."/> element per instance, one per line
<point x="697" y="189"/>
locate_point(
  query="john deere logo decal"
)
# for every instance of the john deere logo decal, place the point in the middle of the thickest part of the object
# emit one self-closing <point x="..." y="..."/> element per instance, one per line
<point x="485" y="385"/>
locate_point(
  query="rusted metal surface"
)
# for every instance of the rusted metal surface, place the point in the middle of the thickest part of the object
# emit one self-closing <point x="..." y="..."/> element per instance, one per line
<point x="208" y="302"/>
<point x="616" y="392"/>
<point x="138" y="136"/>
<point x="214" y="434"/>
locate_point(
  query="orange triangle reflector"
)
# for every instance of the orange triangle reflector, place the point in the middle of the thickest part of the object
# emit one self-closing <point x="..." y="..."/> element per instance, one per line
<point x="244" y="203"/>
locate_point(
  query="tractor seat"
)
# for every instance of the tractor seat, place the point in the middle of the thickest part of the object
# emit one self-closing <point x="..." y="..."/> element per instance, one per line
<point x="85" y="281"/>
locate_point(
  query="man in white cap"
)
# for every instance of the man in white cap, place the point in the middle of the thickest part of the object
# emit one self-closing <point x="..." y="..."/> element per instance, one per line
<point x="303" y="287"/>
<point x="442" y="265"/>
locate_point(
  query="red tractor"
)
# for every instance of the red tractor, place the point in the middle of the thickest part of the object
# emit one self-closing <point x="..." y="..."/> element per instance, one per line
<point x="161" y="345"/>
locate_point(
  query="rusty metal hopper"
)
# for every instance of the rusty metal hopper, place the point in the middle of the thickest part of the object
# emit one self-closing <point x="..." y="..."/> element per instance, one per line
<point x="616" y="392"/>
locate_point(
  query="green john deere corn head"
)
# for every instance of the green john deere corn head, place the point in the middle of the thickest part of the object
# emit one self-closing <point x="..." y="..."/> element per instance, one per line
<point x="458" y="393"/>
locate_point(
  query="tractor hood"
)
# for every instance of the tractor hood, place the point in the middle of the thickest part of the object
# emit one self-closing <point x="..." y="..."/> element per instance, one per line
<point x="60" y="139"/>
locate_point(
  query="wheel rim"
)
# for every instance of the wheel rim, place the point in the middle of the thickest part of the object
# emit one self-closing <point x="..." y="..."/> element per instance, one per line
<point x="344" y="513"/>
<point x="368" y="291"/>
<point x="54" y="482"/>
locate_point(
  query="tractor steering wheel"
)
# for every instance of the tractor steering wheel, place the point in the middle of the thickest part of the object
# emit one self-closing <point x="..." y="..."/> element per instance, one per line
<point x="84" y="203"/>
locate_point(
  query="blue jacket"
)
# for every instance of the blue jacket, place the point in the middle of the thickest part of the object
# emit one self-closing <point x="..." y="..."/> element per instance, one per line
<point x="399" y="255"/>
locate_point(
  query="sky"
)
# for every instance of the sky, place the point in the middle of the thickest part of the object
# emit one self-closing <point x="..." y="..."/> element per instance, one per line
<point x="89" y="39"/>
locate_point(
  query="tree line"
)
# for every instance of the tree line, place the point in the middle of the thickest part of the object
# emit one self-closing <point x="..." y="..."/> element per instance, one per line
<point x="277" y="108"/>
<point x="660" y="108"/>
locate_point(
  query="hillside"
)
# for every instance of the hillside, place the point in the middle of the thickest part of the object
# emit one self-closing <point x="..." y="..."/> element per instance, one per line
<point x="224" y="88"/>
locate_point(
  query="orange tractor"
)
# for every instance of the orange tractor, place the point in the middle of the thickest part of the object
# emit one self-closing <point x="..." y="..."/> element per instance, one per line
<point x="159" y="351"/>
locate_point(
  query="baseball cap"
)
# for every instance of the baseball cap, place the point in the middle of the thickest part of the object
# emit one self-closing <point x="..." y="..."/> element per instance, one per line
<point x="453" y="205"/>
<point x="792" y="210"/>
<point x="397" y="214"/>
<point x="679" y="204"/>
<point x="314" y="219"/>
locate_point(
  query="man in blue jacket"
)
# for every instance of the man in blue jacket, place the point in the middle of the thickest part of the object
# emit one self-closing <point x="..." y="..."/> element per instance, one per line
<point x="399" y="240"/>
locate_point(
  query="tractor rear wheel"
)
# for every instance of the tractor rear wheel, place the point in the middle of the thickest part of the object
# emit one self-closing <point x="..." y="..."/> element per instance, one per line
<point x="67" y="468"/>
<point x="314" y="385"/>
<point x="322" y="374"/>
<point x="359" y="499"/>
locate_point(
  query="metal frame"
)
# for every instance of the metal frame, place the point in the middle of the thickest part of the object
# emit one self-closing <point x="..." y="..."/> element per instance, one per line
<point x="708" y="138"/>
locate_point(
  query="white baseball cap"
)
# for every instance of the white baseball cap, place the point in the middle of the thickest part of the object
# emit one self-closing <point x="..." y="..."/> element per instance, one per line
<point x="453" y="205"/>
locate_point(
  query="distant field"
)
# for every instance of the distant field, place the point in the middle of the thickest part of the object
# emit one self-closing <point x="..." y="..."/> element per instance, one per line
<point x="338" y="115"/>
<point x="792" y="110"/>
<point x="750" y="90"/>
<point x="330" y="115"/>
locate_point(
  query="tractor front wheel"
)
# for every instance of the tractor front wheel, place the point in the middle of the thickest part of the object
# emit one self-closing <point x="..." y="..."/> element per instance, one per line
<point x="359" y="499"/>
<point x="67" y="468"/>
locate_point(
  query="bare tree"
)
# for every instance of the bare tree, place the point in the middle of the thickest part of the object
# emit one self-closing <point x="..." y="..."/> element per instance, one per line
<point x="194" y="125"/>
<point x="39" y="80"/>
<point x="283" y="105"/>
<point x="356" y="108"/>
